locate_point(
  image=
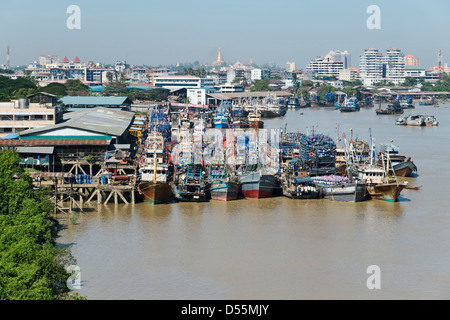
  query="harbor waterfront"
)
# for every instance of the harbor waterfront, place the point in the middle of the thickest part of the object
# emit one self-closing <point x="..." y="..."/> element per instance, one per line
<point x="277" y="247"/>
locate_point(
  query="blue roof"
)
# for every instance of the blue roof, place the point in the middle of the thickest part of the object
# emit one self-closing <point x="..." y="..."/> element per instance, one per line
<point x="97" y="88"/>
<point x="96" y="101"/>
<point x="11" y="136"/>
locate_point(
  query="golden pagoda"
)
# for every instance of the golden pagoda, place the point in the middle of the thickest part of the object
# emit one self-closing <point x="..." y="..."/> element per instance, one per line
<point x="219" y="59"/>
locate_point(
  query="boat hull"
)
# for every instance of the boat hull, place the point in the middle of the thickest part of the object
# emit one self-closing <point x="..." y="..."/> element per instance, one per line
<point x="224" y="190"/>
<point x="256" y="185"/>
<point x="156" y="193"/>
<point x="388" y="191"/>
<point x="347" y="192"/>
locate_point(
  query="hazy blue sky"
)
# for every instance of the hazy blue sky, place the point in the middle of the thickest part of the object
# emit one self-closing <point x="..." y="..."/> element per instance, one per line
<point x="164" y="32"/>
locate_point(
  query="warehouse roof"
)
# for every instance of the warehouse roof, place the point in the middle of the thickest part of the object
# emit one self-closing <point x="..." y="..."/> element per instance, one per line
<point x="102" y="120"/>
<point x="95" y="101"/>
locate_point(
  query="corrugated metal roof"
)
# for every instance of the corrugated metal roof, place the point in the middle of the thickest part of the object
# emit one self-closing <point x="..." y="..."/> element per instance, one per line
<point x="39" y="150"/>
<point x="101" y="120"/>
<point x="95" y="101"/>
<point x="54" y="142"/>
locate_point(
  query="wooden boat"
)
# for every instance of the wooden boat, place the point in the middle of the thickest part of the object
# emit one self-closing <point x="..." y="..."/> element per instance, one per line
<point x="153" y="172"/>
<point x="392" y="108"/>
<point x="190" y="184"/>
<point x="340" y="188"/>
<point x="402" y="166"/>
<point x="296" y="184"/>
<point x="350" y="105"/>
<point x="254" y="120"/>
<point x="224" y="186"/>
<point x="257" y="185"/>
<point x="380" y="185"/>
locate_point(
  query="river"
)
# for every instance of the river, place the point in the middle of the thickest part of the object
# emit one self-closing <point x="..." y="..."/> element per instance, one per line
<point x="279" y="248"/>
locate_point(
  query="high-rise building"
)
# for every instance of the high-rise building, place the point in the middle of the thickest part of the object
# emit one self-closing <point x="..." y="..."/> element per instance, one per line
<point x="395" y="65"/>
<point x="371" y="64"/>
<point x="410" y="60"/>
<point x="342" y="56"/>
<point x="290" y="66"/>
<point x="325" y="67"/>
<point x="376" y="67"/>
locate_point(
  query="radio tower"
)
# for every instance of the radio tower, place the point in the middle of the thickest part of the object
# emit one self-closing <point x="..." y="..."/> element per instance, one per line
<point x="440" y="61"/>
<point x="7" y="58"/>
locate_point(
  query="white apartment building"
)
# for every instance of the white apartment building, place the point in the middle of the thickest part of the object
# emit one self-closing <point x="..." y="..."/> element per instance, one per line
<point x="395" y="66"/>
<point x="350" y="74"/>
<point x="325" y="67"/>
<point x="198" y="95"/>
<point x="183" y="81"/>
<point x="290" y="66"/>
<point x="371" y="64"/>
<point x="38" y="110"/>
<point x="342" y="56"/>
<point x="259" y="74"/>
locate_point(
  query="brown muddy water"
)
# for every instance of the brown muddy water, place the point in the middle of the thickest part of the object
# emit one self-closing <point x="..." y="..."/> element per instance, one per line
<point x="279" y="248"/>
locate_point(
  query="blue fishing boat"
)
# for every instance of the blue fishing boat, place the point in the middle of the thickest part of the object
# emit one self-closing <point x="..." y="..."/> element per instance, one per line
<point x="223" y="186"/>
<point x="190" y="184"/>
<point x="222" y="119"/>
<point x="350" y="105"/>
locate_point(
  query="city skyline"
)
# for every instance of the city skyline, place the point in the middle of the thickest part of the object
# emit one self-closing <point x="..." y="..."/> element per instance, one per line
<point x="187" y="32"/>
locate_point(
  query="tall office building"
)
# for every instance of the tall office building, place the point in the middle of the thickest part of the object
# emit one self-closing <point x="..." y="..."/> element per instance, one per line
<point x="341" y="56"/>
<point x="290" y="66"/>
<point x="371" y="64"/>
<point x="395" y="65"/>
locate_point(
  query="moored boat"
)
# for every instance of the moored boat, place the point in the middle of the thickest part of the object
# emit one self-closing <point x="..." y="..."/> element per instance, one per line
<point x="350" y="105"/>
<point x="190" y="184"/>
<point x="257" y="185"/>
<point x="223" y="186"/>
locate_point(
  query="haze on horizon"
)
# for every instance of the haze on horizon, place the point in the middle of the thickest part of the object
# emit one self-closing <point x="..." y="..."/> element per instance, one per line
<point x="162" y="33"/>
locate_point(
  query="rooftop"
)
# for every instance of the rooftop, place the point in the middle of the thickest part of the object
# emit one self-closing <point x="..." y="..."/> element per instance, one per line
<point x="103" y="120"/>
<point x="95" y="101"/>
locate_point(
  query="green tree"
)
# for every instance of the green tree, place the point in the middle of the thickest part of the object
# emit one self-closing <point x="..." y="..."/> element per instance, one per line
<point x="76" y="85"/>
<point x="116" y="88"/>
<point x="261" y="85"/>
<point x="58" y="89"/>
<point x="32" y="267"/>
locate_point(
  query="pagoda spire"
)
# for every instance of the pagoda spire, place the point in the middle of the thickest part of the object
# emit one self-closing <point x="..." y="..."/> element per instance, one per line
<point x="219" y="59"/>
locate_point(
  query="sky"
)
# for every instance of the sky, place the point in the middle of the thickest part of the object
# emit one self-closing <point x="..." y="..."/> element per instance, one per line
<point x="267" y="31"/>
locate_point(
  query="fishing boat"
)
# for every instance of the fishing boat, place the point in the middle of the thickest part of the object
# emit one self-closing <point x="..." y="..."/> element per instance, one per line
<point x="415" y="120"/>
<point x="190" y="184"/>
<point x="254" y="120"/>
<point x="154" y="172"/>
<point x="366" y="102"/>
<point x="350" y="105"/>
<point x="296" y="184"/>
<point x="293" y="103"/>
<point x="407" y="104"/>
<point x="256" y="184"/>
<point x="224" y="186"/>
<point x="402" y="166"/>
<point x="380" y="183"/>
<point x="222" y="119"/>
<point x="392" y="108"/>
<point x="429" y="102"/>
<point x="401" y="121"/>
<point x="340" y="188"/>
<point x="430" y="121"/>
